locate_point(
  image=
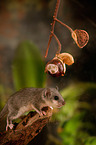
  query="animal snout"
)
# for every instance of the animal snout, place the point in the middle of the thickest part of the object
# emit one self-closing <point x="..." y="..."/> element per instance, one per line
<point x="63" y="103"/>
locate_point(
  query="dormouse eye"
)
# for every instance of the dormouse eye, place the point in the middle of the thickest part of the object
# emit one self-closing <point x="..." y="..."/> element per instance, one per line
<point x="56" y="97"/>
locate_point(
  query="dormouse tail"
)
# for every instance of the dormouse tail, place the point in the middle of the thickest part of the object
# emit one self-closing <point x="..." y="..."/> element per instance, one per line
<point x="3" y="112"/>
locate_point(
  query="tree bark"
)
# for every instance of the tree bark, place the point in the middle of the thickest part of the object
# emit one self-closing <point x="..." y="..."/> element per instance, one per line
<point x="26" y="130"/>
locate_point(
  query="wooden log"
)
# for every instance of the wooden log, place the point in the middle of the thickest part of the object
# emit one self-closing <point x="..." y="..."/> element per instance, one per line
<point x="26" y="130"/>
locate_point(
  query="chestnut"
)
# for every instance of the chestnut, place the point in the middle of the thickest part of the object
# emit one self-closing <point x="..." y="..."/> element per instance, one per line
<point x="56" y="67"/>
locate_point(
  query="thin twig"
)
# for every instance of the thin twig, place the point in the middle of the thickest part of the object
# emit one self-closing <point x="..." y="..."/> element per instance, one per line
<point x="59" y="44"/>
<point x="53" y="25"/>
<point x="55" y="14"/>
<point x="70" y="29"/>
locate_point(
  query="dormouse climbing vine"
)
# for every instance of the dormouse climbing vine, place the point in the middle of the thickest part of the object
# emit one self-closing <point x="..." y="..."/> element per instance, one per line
<point x="56" y="67"/>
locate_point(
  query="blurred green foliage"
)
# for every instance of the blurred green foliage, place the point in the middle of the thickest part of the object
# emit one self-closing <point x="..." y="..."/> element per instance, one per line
<point x="28" y="66"/>
<point x="71" y="95"/>
<point x="2" y="96"/>
<point x="90" y="141"/>
<point x="74" y="131"/>
<point x="4" y="91"/>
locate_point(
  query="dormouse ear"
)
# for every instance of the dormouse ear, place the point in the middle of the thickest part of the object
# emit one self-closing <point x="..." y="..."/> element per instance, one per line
<point x="57" y="88"/>
<point x="47" y="93"/>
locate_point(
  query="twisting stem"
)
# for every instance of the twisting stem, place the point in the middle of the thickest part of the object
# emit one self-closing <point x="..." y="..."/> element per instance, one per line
<point x="59" y="44"/>
<point x="70" y="29"/>
<point x="50" y="37"/>
<point x="53" y="25"/>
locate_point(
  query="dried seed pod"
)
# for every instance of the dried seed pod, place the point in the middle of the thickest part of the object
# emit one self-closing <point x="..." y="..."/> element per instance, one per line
<point x="81" y="37"/>
<point x="56" y="67"/>
<point x="66" y="58"/>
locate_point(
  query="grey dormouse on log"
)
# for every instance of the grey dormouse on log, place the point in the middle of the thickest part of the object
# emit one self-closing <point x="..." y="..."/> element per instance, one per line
<point x="28" y="99"/>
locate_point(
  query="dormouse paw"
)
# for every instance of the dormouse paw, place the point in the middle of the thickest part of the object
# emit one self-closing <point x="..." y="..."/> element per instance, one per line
<point x="9" y="126"/>
<point x="42" y="113"/>
<point x="51" y="107"/>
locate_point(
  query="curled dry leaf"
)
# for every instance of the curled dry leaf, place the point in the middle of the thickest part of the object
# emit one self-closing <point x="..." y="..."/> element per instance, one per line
<point x="81" y="37"/>
<point x="66" y="58"/>
<point x="56" y="67"/>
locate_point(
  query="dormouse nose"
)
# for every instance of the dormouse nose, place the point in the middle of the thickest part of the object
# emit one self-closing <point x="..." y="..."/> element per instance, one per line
<point x="63" y="103"/>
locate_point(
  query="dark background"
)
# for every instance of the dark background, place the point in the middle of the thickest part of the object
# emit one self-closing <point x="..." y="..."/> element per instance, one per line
<point x="30" y="20"/>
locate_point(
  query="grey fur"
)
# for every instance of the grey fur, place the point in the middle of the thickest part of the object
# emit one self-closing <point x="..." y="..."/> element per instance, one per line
<point x="28" y="99"/>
